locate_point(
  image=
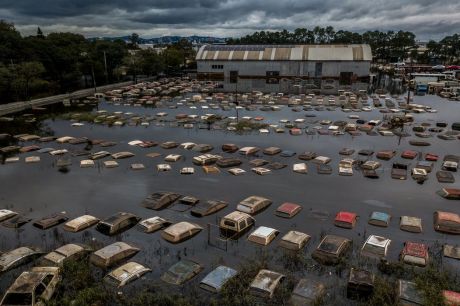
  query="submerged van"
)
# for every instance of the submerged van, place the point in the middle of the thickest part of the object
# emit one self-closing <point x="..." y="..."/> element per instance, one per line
<point x="235" y="224"/>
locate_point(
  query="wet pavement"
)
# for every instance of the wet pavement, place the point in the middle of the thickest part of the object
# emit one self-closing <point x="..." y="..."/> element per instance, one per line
<point x="39" y="189"/>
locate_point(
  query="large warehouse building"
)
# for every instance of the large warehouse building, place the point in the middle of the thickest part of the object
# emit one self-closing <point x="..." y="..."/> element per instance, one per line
<point x="287" y="69"/>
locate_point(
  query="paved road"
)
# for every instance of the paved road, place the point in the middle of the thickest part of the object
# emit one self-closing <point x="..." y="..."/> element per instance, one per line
<point x="14" y="107"/>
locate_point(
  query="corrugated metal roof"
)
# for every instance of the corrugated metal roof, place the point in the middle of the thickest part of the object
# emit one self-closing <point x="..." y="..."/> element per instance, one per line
<point x="285" y="53"/>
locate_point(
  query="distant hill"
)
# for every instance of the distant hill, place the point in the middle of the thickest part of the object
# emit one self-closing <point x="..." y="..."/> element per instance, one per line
<point x="166" y="40"/>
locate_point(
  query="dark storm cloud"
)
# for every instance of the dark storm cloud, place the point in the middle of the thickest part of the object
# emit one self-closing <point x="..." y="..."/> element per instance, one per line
<point x="231" y="17"/>
<point x="68" y="8"/>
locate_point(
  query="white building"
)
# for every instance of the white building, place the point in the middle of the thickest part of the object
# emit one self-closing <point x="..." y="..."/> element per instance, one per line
<point x="285" y="68"/>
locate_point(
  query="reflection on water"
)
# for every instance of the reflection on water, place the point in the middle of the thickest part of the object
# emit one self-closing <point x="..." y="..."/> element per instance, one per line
<point x="40" y="189"/>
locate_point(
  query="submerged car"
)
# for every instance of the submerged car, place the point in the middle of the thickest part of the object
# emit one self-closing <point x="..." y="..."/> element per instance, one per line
<point x="217" y="278"/>
<point x="445" y="177"/>
<point x="288" y="210"/>
<point x="446" y="222"/>
<point x="345" y="219"/>
<point x="409" y="154"/>
<point x="189" y="200"/>
<point x="125" y="274"/>
<point x="16" y="222"/>
<point x="408" y="294"/>
<point x="80" y="223"/>
<point x="98" y="155"/>
<point x="300" y="168"/>
<point x="229" y="148"/>
<point x="153" y="224"/>
<point x="169" y="145"/>
<point x="331" y="249"/>
<point x="228" y="162"/>
<point x="399" y="171"/>
<point x="181" y="272"/>
<point x="160" y="200"/>
<point x="205" y="159"/>
<point x="71" y="251"/>
<point x="411" y="224"/>
<point x="180" y="231"/>
<point x="360" y="284"/>
<point x="253" y="204"/>
<point x="235" y="224"/>
<point x="307" y="291"/>
<point x="265" y="283"/>
<point x="112" y="254"/>
<point x="248" y="151"/>
<point x="307" y="155"/>
<point x="33" y="287"/>
<point x="207" y="208"/>
<point x="449" y="193"/>
<point x="375" y="247"/>
<point x="451" y="298"/>
<point x="117" y="223"/>
<point x="263" y="235"/>
<point x="414" y="254"/>
<point x="261" y="170"/>
<point x="321" y="160"/>
<point x="51" y="220"/>
<point x="18" y="257"/>
<point x="202" y="148"/>
<point x="6" y="214"/>
<point x="379" y="219"/>
<point x="271" y="151"/>
<point x="121" y="155"/>
<point x="294" y="240"/>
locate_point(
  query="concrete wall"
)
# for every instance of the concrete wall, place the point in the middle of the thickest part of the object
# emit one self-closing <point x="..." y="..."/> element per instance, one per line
<point x="252" y="75"/>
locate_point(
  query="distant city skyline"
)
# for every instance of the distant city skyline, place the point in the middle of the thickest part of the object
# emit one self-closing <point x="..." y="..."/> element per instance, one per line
<point x="230" y="18"/>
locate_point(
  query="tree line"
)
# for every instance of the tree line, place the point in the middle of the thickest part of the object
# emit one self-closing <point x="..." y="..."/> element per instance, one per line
<point x="42" y="65"/>
<point x="389" y="46"/>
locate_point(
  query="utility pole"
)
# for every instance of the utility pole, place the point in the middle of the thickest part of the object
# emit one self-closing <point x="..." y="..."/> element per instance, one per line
<point x="105" y="66"/>
<point x="85" y="55"/>
<point x="408" y="84"/>
<point x="236" y="101"/>
<point x="134" y="71"/>
<point x="94" y="78"/>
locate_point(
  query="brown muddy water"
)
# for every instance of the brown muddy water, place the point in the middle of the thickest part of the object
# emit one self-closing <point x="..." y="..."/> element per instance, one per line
<point x="39" y="189"/>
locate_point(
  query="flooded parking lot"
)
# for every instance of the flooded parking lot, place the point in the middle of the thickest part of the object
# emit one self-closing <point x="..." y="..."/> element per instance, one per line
<point x="39" y="189"/>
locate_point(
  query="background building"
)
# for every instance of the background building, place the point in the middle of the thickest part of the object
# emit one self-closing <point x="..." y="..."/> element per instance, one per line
<point x="288" y="69"/>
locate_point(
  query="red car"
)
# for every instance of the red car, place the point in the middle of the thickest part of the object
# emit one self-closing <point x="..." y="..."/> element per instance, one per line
<point x="345" y="219"/>
<point x="431" y="157"/>
<point x="288" y="210"/>
<point x="451" y="298"/>
<point x="409" y="154"/>
<point x="415" y="253"/>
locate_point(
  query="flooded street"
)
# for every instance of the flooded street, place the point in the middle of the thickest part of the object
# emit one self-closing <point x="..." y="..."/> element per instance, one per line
<point x="39" y="189"/>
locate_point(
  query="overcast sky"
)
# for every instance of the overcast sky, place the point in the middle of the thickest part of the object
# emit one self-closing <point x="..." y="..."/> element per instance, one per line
<point x="152" y="18"/>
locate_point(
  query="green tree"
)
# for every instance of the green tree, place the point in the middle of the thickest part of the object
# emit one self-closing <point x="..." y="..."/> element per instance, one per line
<point x="185" y="49"/>
<point x="134" y="40"/>
<point x="40" y="33"/>
<point x="173" y="59"/>
<point x="11" y="48"/>
<point x="133" y="62"/>
<point x="107" y="54"/>
<point x="27" y="77"/>
<point x="6" y="77"/>
<point x="151" y="63"/>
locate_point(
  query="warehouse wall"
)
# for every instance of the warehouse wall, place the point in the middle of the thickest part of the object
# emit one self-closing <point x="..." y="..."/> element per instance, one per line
<point x="252" y="75"/>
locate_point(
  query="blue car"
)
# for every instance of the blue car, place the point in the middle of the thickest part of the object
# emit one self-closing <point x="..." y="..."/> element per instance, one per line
<point x="287" y="153"/>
